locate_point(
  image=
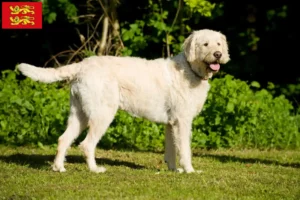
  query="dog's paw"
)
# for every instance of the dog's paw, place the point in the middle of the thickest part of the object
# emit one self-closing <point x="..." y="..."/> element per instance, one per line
<point x="58" y="169"/>
<point x="180" y="170"/>
<point x="98" y="170"/>
<point x="186" y="170"/>
<point x="189" y="171"/>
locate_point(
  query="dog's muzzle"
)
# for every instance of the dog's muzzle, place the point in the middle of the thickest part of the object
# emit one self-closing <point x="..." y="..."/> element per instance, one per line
<point x="215" y="66"/>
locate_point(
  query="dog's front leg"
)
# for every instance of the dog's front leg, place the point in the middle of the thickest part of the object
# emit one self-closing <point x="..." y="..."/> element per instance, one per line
<point x="182" y="136"/>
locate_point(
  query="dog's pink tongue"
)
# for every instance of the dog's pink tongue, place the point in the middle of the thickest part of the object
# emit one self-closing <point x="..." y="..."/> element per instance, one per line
<point x="215" y="67"/>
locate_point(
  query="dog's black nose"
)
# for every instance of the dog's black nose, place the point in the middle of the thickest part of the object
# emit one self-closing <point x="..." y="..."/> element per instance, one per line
<point x="218" y="54"/>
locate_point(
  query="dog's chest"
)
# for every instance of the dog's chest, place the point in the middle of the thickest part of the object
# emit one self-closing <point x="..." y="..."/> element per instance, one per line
<point x="188" y="102"/>
<point x="198" y="98"/>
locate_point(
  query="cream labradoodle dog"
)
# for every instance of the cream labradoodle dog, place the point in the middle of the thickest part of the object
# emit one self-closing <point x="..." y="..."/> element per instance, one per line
<point x="170" y="91"/>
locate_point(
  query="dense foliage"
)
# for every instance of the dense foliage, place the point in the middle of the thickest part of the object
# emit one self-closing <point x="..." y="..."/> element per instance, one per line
<point x="234" y="116"/>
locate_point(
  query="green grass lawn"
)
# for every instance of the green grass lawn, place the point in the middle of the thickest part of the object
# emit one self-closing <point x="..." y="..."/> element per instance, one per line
<point x="25" y="173"/>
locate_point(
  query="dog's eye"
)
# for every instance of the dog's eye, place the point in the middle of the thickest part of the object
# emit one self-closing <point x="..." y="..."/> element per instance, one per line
<point x="219" y="44"/>
<point x="205" y="44"/>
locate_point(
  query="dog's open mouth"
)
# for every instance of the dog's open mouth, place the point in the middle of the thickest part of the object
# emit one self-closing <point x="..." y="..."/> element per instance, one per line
<point x="215" y="66"/>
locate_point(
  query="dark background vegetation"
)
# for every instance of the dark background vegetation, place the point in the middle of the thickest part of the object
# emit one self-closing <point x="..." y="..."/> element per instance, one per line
<point x="263" y="35"/>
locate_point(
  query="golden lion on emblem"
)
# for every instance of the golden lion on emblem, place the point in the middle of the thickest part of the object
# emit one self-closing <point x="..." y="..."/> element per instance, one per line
<point x="15" y="10"/>
<point x="23" y="20"/>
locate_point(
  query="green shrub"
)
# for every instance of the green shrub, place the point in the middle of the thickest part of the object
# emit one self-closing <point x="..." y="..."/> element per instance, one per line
<point x="234" y="116"/>
<point x="31" y="112"/>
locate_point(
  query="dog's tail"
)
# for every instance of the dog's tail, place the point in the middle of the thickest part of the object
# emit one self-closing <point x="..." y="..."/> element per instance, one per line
<point x="50" y="75"/>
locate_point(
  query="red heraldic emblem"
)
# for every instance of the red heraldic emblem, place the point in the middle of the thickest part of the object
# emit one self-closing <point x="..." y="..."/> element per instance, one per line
<point x="22" y="15"/>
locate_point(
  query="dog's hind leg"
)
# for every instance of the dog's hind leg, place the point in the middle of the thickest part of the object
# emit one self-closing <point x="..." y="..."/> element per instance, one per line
<point x="77" y="122"/>
<point x="170" y="150"/>
<point x="98" y="124"/>
<point x="101" y="105"/>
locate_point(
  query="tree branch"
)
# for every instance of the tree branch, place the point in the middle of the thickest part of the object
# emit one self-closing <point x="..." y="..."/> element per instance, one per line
<point x="104" y="36"/>
<point x="79" y="49"/>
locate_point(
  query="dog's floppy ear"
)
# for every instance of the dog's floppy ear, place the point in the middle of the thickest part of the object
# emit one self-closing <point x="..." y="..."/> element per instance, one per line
<point x="189" y="48"/>
<point x="225" y="57"/>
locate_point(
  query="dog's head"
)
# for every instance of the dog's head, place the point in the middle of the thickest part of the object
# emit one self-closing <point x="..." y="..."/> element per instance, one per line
<point x="205" y="50"/>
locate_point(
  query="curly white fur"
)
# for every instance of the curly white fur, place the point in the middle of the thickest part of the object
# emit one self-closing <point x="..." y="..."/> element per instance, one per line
<point x="170" y="91"/>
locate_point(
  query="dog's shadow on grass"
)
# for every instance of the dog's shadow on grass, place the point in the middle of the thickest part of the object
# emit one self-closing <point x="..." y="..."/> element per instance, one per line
<point x="37" y="161"/>
<point x="228" y="158"/>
